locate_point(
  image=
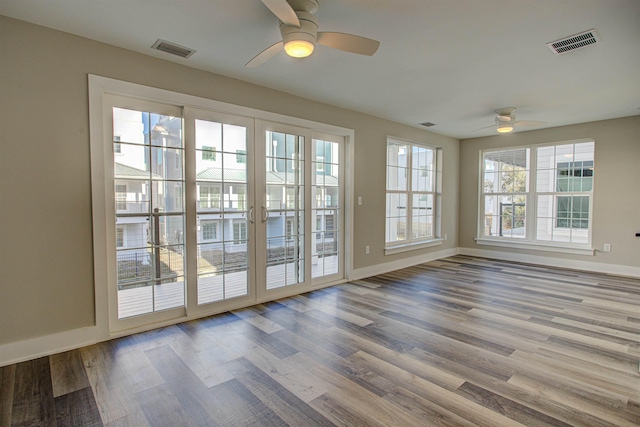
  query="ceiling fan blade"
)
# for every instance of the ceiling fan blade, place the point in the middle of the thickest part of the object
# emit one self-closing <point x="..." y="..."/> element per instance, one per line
<point x="265" y="55"/>
<point x="486" y="127"/>
<point x="528" y="123"/>
<point x="283" y="11"/>
<point x="348" y="43"/>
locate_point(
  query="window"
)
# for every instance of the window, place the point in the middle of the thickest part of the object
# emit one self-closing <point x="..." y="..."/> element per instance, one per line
<point x="411" y="193"/>
<point x="209" y="230"/>
<point x="208" y="153"/>
<point x="572" y="212"/>
<point x="505" y="186"/>
<point x="121" y="197"/>
<point x="290" y="228"/>
<point x="564" y="184"/>
<point x="540" y="198"/>
<point x="239" y="231"/>
<point x="119" y="237"/>
<point x="291" y="197"/>
<point x="209" y="196"/>
<point x="241" y="156"/>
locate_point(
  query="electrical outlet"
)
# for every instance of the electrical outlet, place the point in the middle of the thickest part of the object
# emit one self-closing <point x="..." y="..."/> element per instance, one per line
<point x="607" y="247"/>
<point x="366" y="250"/>
<point x="445" y="236"/>
<point x="359" y="200"/>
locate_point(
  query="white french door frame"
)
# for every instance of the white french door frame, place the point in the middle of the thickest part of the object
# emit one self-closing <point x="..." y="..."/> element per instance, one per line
<point x="342" y="206"/>
<point x="261" y="204"/>
<point x="103" y="202"/>
<point x="154" y="317"/>
<point x="192" y="114"/>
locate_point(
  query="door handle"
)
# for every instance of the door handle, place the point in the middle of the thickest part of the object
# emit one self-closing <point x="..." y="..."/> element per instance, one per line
<point x="251" y="214"/>
<point x="265" y="214"/>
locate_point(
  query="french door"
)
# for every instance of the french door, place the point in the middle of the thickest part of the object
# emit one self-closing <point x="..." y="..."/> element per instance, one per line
<point x="283" y="227"/>
<point x="216" y="211"/>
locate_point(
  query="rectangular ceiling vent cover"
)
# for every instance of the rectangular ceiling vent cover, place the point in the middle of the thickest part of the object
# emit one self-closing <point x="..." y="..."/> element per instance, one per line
<point x="173" y="49"/>
<point x="574" y="42"/>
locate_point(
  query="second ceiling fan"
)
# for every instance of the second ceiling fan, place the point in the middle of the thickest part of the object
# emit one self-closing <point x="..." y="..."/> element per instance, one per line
<point x="505" y="121"/>
<point x="299" y="30"/>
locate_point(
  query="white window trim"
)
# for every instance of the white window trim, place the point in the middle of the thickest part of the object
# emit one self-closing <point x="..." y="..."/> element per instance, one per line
<point x="529" y="242"/>
<point x="567" y="249"/>
<point x="435" y="240"/>
<point x="413" y="246"/>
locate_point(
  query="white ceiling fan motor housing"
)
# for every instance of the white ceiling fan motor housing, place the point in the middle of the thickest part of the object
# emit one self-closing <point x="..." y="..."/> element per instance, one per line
<point x="308" y="30"/>
<point x="309" y="6"/>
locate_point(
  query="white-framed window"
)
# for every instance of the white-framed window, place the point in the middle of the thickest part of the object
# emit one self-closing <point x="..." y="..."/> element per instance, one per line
<point x="119" y="237"/>
<point x="239" y="231"/>
<point x="117" y="147"/>
<point x="538" y="194"/>
<point x="291" y="198"/>
<point x="208" y="196"/>
<point x="241" y="156"/>
<point x="411" y="193"/>
<point x="209" y="230"/>
<point x="121" y="197"/>
<point x="505" y="186"/>
<point x="290" y="228"/>
<point x="208" y="153"/>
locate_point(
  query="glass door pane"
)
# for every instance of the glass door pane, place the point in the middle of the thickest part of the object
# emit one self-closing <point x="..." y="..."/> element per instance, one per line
<point x="222" y="211"/>
<point x="326" y="212"/>
<point x="284" y="210"/>
<point x="149" y="193"/>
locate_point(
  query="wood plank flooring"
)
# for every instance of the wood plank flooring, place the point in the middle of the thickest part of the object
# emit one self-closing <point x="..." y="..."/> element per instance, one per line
<point x="456" y="342"/>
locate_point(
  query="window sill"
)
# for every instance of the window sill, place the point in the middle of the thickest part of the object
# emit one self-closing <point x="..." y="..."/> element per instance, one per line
<point x="413" y="246"/>
<point x="574" y="250"/>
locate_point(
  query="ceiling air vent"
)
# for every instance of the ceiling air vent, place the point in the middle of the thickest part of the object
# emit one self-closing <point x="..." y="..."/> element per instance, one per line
<point x="574" y="42"/>
<point x="173" y="49"/>
<point x="428" y="124"/>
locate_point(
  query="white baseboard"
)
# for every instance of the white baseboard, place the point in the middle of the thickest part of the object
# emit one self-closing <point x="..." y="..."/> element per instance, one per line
<point x="33" y="348"/>
<point x="597" y="267"/>
<point x="361" y="273"/>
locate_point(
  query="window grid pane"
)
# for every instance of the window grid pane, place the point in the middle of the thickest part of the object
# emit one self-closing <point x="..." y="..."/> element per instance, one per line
<point x="325" y="248"/>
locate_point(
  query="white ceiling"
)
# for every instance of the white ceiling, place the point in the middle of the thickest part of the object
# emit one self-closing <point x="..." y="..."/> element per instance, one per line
<point x="450" y="62"/>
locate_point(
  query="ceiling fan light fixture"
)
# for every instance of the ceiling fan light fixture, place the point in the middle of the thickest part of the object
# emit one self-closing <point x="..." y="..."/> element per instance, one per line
<point x="299" y="48"/>
<point x="505" y="127"/>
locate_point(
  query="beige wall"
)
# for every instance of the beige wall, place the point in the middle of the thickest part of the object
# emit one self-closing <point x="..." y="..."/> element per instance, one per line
<point x="46" y="264"/>
<point x="616" y="198"/>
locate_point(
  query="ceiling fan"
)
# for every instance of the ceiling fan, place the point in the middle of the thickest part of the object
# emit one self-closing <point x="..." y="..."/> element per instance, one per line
<point x="506" y="121"/>
<point x="299" y="30"/>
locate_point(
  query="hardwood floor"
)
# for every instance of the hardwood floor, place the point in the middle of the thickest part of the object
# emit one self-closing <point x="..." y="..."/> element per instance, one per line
<point x="457" y="342"/>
